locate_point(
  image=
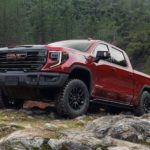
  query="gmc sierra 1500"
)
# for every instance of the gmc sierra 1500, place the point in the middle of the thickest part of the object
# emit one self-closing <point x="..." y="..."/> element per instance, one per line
<point x="72" y="74"/>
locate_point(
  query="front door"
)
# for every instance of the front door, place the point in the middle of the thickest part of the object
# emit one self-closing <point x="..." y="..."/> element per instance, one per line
<point x="104" y="77"/>
<point x="114" y="78"/>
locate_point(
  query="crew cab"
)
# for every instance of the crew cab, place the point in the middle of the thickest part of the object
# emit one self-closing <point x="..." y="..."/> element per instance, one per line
<point x="74" y="74"/>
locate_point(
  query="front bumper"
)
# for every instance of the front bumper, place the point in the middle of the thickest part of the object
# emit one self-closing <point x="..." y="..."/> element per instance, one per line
<point x="36" y="79"/>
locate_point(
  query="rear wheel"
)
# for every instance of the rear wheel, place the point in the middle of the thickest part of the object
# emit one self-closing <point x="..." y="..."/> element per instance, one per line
<point x="73" y="100"/>
<point x="144" y="104"/>
<point x="6" y="102"/>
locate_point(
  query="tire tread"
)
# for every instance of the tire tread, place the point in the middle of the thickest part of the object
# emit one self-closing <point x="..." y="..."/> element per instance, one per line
<point x="60" y="104"/>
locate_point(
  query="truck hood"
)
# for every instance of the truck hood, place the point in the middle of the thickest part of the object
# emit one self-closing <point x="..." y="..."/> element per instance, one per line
<point x="22" y="47"/>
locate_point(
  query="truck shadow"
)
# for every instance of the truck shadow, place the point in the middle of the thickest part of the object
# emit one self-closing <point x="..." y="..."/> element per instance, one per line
<point x="51" y="112"/>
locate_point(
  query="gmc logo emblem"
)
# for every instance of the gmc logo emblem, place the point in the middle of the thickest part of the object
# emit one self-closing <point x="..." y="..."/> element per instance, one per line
<point x="20" y="56"/>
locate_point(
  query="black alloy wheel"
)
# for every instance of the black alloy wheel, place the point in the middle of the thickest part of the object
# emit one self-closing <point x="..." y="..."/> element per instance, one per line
<point x="73" y="99"/>
<point x="76" y="98"/>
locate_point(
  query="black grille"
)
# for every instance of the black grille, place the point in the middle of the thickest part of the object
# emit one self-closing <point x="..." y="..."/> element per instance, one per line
<point x="22" y="60"/>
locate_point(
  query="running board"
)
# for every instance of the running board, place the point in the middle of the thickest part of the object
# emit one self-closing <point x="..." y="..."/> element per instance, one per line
<point x="104" y="103"/>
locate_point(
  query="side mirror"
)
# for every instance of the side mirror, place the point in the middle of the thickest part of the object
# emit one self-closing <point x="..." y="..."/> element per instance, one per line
<point x="102" y="55"/>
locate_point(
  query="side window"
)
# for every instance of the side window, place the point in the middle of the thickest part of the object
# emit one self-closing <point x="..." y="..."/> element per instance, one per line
<point x="100" y="47"/>
<point x="117" y="57"/>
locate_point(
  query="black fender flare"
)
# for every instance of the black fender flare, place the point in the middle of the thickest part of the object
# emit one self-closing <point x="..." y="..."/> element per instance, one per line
<point x="145" y="87"/>
<point x="80" y="67"/>
<point x="84" y="68"/>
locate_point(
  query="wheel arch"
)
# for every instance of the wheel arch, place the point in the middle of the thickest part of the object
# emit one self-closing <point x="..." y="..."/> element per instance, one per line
<point x="145" y="88"/>
<point x="83" y="73"/>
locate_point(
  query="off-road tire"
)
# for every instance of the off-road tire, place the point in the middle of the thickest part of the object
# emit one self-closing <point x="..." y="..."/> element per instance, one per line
<point x="63" y="105"/>
<point x="140" y="109"/>
<point x="5" y="102"/>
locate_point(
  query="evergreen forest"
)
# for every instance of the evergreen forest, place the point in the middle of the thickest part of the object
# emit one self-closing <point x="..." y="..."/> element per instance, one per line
<point x="125" y="23"/>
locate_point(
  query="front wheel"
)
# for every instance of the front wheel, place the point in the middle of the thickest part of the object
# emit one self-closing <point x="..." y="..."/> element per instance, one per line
<point x="73" y="100"/>
<point x="144" y="104"/>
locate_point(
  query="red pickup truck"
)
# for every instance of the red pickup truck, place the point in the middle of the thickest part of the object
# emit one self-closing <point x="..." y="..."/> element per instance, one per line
<point x="73" y="74"/>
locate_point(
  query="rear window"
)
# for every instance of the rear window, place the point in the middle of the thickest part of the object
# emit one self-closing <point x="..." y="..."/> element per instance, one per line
<point x="74" y="44"/>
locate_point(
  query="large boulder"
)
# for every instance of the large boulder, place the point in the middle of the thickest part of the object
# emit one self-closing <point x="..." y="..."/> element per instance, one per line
<point x="26" y="139"/>
<point x="122" y="127"/>
<point x="37" y="139"/>
<point x="21" y="131"/>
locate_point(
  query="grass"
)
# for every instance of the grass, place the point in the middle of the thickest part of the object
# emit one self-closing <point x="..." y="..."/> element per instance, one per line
<point x="14" y="120"/>
<point x="143" y="142"/>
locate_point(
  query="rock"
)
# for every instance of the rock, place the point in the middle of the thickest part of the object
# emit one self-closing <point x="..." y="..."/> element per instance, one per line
<point x="67" y="145"/>
<point x="81" y="120"/>
<point x="75" y="146"/>
<point x="62" y="126"/>
<point x="82" y="137"/>
<point x="102" y="122"/>
<point x="30" y="117"/>
<point x="32" y="104"/>
<point x="26" y="139"/>
<point x="118" y="148"/>
<point x="108" y="141"/>
<point x="122" y="127"/>
<point x="98" y="148"/>
<point x="6" y="129"/>
<point x="124" y="132"/>
<point x="81" y="117"/>
<point x="143" y="128"/>
<point x="55" y="144"/>
<point x="120" y="132"/>
<point x="15" y="125"/>
<point x="127" y="145"/>
<point x="50" y="126"/>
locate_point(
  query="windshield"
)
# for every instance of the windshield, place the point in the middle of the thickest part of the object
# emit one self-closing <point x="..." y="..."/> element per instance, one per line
<point x="81" y="45"/>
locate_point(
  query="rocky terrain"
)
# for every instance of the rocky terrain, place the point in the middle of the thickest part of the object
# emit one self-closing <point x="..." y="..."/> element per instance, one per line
<point x="44" y="130"/>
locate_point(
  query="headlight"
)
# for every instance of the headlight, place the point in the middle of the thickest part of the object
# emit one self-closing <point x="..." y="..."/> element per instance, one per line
<point x="57" y="57"/>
